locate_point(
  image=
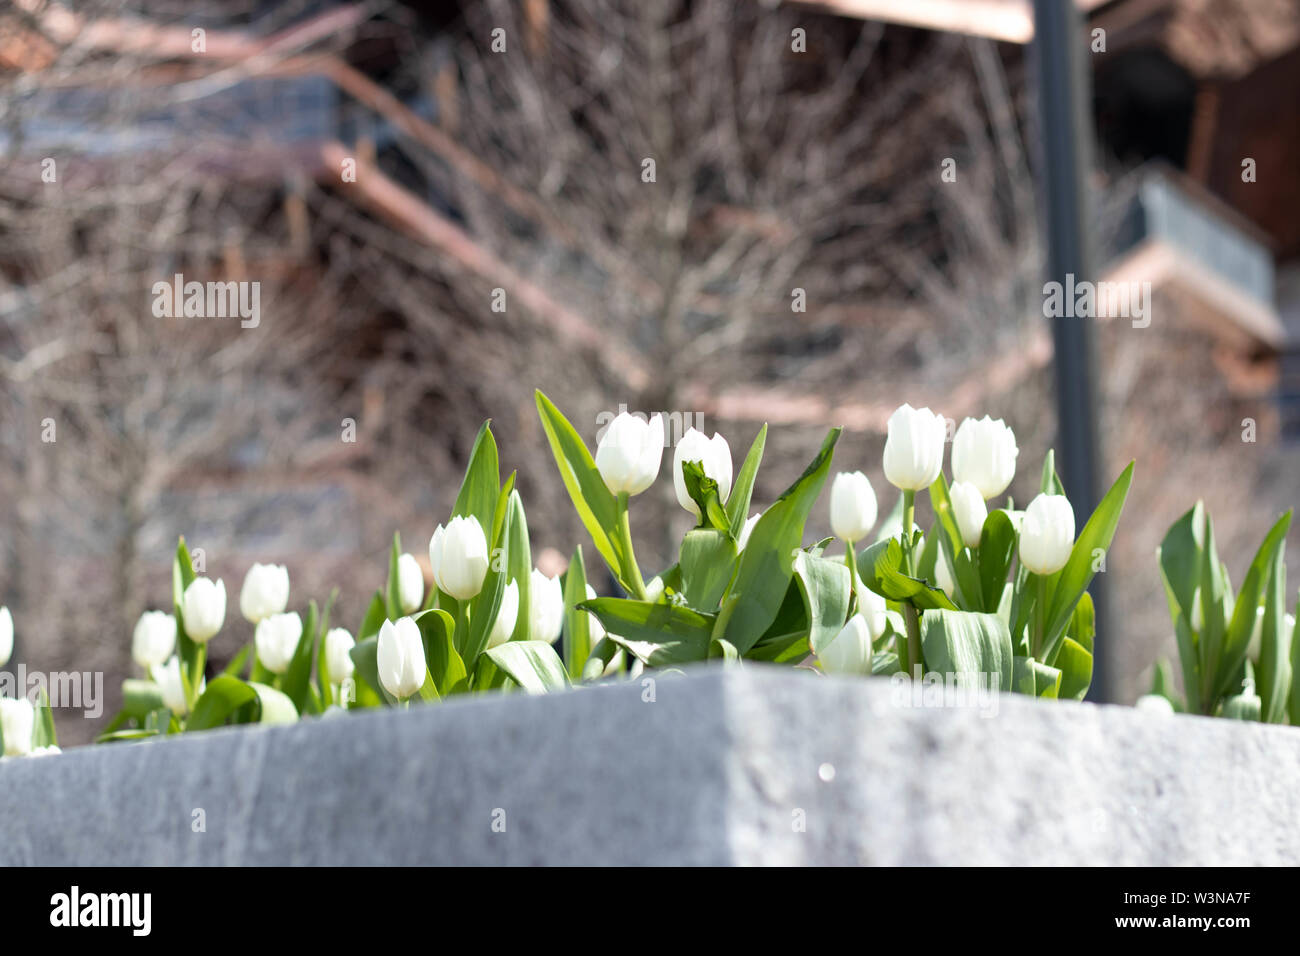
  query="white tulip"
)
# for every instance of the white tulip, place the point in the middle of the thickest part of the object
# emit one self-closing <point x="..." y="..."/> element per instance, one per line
<point x="203" y="609"/>
<point x="654" y="588"/>
<point x="17" y="720"/>
<point x="459" y="555"/>
<point x="168" y="678"/>
<point x="6" y="636"/>
<point x="410" y="583"/>
<point x="714" y="453"/>
<point x="849" y="652"/>
<point x="276" y="639"/>
<point x="1047" y="534"/>
<point x="154" y="639"/>
<point x="874" y="610"/>
<point x="943" y="574"/>
<point x="1155" y="703"/>
<point x="984" y="455"/>
<point x="853" y="506"/>
<point x="545" y="607"/>
<point x="741" y="540"/>
<point x="402" y="668"/>
<point x="265" y="592"/>
<point x="507" y="615"/>
<point x="970" y="511"/>
<point x="629" y="452"/>
<point x="595" y="630"/>
<point x="338" y="642"/>
<point x="914" y="448"/>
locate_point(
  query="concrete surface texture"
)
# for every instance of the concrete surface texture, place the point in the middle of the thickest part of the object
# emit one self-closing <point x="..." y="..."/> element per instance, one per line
<point x="758" y="765"/>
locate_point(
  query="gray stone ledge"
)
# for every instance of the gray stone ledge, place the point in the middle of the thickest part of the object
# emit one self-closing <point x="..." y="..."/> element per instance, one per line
<point x="718" y="769"/>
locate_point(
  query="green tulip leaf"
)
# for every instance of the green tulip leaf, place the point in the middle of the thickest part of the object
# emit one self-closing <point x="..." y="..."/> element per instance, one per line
<point x="708" y="563"/>
<point x="533" y="665"/>
<point x="656" y="634"/>
<point x="577" y="623"/>
<point x="742" y="489"/>
<point x="974" y="648"/>
<point x="767" y="563"/>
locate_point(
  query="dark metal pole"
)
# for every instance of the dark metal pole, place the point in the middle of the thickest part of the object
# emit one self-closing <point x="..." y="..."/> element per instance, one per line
<point x="1064" y="116"/>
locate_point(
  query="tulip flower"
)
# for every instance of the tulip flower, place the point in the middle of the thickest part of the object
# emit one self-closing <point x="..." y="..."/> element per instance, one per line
<point x="154" y="639"/>
<point x="410" y="583"/>
<point x="400" y="657"/>
<point x="1047" y="534"/>
<point x="914" y="448"/>
<point x="654" y="590"/>
<point x="338" y="642"/>
<point x="1155" y="703"/>
<point x="943" y="574"/>
<point x="853" y="506"/>
<point x="741" y="540"/>
<point x="17" y="720"/>
<point x="168" y="678"/>
<point x="715" y="455"/>
<point x="459" y="556"/>
<point x="873" y="609"/>
<point x="6" y="636"/>
<point x="629" y="452"/>
<point x="507" y="615"/>
<point x="984" y="455"/>
<point x="595" y="629"/>
<point x="203" y="609"/>
<point x="970" y="511"/>
<point x="265" y="592"/>
<point x="849" y="652"/>
<point x="276" y="639"/>
<point x="545" y="607"/>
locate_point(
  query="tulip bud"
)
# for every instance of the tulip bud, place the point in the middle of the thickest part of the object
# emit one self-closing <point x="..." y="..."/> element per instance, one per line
<point x="849" y="652"/>
<point x="507" y="615"/>
<point x="6" y="636"/>
<point x="154" y="639"/>
<point x="943" y="574"/>
<point x="714" y="453"/>
<point x="970" y="511"/>
<point x="545" y="607"/>
<point x="654" y="588"/>
<point x="742" y="539"/>
<point x="17" y="720"/>
<point x="168" y="678"/>
<point x="629" y="452"/>
<point x="595" y="629"/>
<point x="265" y="592"/>
<point x="914" y="448"/>
<point x="338" y="642"/>
<point x="853" y="506"/>
<point x="203" y="609"/>
<point x="1047" y="534"/>
<point x="402" y="668"/>
<point x="984" y="455"/>
<point x="459" y="556"/>
<point x="410" y="583"/>
<point x="1198" y="613"/>
<point x="1155" y="703"/>
<point x="276" y="639"/>
<point x="874" y="610"/>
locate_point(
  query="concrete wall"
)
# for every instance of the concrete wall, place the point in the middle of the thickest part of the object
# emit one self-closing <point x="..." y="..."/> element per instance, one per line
<point x="746" y="766"/>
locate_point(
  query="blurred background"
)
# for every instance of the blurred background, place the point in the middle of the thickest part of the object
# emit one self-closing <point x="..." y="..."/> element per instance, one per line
<point x="731" y="211"/>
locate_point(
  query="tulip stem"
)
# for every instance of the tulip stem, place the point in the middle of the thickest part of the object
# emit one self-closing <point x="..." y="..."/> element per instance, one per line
<point x="851" y="561"/>
<point x="910" y="615"/>
<point x="196" y="676"/>
<point x="631" y="571"/>
<point x="1040" y="615"/>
